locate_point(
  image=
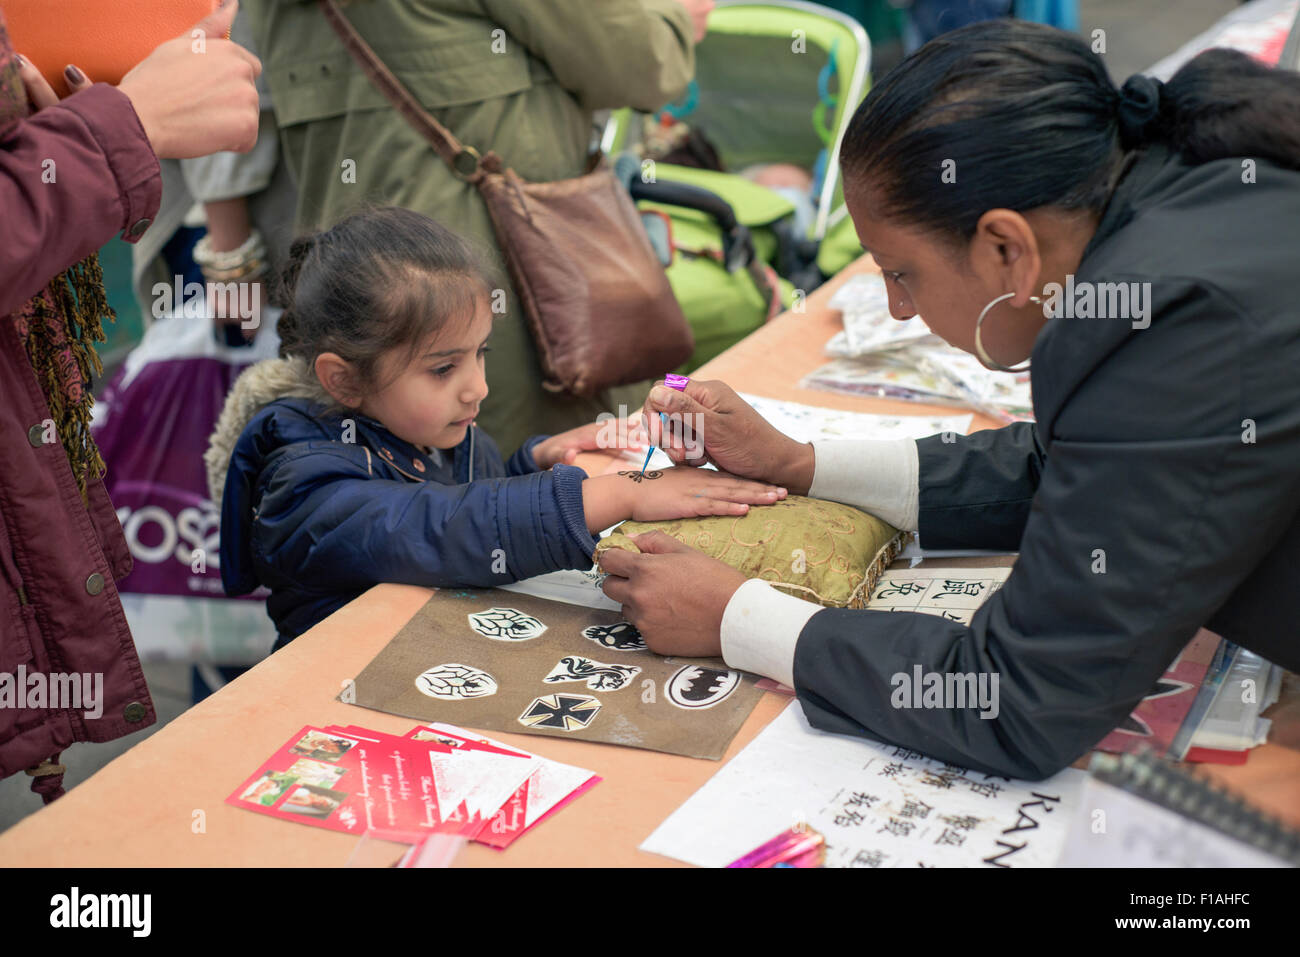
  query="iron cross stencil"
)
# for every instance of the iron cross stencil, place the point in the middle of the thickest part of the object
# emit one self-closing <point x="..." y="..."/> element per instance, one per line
<point x="563" y="712"/>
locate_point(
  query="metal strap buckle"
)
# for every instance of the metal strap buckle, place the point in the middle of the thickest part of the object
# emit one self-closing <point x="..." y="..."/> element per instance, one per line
<point x="465" y="163"/>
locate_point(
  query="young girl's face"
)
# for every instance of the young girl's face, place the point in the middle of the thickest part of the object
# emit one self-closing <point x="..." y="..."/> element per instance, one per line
<point x="435" y="398"/>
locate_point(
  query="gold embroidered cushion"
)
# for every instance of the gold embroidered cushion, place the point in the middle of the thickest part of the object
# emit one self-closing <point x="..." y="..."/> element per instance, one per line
<point x="820" y="551"/>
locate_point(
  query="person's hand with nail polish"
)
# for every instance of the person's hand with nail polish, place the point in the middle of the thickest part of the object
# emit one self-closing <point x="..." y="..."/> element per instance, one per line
<point x="39" y="92"/>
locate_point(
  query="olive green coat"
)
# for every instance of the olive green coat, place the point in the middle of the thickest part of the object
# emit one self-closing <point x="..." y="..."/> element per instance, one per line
<point x="520" y="77"/>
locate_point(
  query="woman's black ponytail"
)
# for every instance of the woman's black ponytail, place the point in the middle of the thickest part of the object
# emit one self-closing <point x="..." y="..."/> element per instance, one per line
<point x="1224" y="103"/>
<point x="1010" y="114"/>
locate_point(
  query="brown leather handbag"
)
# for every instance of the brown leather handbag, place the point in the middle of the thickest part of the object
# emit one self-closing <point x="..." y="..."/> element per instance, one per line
<point x="594" y="293"/>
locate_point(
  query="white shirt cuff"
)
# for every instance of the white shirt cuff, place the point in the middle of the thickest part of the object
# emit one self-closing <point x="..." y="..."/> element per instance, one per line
<point x="877" y="477"/>
<point x="760" y="628"/>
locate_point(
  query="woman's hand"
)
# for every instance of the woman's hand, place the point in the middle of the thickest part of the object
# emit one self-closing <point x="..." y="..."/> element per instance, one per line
<point x="709" y="423"/>
<point x="39" y="93"/>
<point x="673" y="594"/>
<point x="620" y="434"/>
<point x="196" y="96"/>
<point x="668" y="494"/>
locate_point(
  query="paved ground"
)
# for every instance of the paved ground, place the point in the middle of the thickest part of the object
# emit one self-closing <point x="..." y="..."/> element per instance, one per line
<point x="1138" y="32"/>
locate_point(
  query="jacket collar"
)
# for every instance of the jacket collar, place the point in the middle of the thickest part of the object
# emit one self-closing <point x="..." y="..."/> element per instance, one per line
<point x="1068" y="350"/>
<point x="310" y="413"/>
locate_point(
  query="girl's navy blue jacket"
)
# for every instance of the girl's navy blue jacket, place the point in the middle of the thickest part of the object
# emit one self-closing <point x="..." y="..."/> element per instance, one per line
<point x="319" y="505"/>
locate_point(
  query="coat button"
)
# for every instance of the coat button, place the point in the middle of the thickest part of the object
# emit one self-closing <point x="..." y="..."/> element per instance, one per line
<point x="134" y="712"/>
<point x="95" y="584"/>
<point x="36" y="435"/>
<point x="419" y="466"/>
<point x="139" y="228"/>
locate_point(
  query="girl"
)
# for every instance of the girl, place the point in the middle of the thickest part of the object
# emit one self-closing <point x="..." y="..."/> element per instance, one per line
<point x="1158" y="490"/>
<point x="354" y="460"/>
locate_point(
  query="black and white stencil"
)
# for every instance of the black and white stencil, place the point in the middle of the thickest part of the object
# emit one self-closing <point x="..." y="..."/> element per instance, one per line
<point x="620" y="636"/>
<point x="454" y="681"/>
<point x="698" y="687"/>
<point x="562" y="712"/>
<point x="599" y="676"/>
<point x="505" y="624"/>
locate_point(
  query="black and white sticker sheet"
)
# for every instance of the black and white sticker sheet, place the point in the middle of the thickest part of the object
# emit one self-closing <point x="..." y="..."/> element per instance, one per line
<point x="506" y="661"/>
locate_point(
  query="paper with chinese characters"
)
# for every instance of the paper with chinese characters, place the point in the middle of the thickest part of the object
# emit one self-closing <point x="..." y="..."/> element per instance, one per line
<point x="877" y="805"/>
<point x="952" y="593"/>
<point x="504" y="661"/>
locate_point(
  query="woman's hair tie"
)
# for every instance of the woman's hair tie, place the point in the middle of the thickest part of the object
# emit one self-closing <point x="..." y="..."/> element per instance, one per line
<point x="1139" y="110"/>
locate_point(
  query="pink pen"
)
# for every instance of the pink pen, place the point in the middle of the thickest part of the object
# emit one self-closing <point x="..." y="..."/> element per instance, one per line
<point x="672" y="381"/>
<point x="793" y="847"/>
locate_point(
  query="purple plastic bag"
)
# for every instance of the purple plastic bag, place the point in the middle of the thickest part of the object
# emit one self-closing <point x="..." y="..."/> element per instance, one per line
<point x="152" y="426"/>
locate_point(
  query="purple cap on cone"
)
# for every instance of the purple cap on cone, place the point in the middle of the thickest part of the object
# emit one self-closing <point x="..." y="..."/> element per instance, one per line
<point x="678" y="382"/>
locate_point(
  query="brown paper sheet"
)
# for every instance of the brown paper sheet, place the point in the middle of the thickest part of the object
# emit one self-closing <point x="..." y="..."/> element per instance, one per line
<point x="481" y="659"/>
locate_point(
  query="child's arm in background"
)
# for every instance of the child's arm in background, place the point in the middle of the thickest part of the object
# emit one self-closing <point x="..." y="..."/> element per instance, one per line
<point x="324" y="523"/>
<point x="609" y="434"/>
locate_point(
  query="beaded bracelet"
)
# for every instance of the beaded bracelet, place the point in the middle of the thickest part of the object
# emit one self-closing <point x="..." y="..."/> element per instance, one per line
<point x="254" y="247"/>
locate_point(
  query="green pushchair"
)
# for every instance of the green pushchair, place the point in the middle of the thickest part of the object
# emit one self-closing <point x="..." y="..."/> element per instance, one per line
<point x="775" y="86"/>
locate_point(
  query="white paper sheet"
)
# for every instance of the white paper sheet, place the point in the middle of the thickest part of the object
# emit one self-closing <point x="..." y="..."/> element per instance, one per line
<point x="570" y="586"/>
<point x="810" y="422"/>
<point x="549" y="784"/>
<point x="877" y="806"/>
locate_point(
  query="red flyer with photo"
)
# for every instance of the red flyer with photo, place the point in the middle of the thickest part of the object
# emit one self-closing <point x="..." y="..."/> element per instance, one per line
<point x="346" y="782"/>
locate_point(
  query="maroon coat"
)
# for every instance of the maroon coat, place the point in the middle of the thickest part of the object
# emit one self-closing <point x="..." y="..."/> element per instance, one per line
<point x="59" y="559"/>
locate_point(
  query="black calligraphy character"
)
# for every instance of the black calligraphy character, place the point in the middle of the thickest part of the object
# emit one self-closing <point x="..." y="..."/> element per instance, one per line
<point x="937" y="779"/>
<point x="859" y="799"/>
<point x="986" y="788"/>
<point x="898" y="827"/>
<point x="907" y="754"/>
<point x="868" y="859"/>
<point x="849" y="818"/>
<point x="951" y="837"/>
<point x="900" y="588"/>
<point x="915" y="808"/>
<point x="953" y="587"/>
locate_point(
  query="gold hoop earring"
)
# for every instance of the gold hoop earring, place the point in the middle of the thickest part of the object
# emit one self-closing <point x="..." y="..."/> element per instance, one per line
<point x="985" y="359"/>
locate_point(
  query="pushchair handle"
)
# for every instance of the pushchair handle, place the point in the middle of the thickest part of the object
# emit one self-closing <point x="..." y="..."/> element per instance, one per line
<point x="737" y="243"/>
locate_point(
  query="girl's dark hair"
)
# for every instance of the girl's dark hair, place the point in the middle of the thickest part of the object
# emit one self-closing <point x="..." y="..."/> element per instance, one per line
<point x="381" y="278"/>
<point x="1029" y="117"/>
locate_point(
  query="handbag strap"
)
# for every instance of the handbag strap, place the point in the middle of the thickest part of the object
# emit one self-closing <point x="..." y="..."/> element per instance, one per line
<point x="463" y="160"/>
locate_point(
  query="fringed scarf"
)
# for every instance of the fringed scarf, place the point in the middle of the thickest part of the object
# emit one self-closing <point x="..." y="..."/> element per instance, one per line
<point x="60" y="325"/>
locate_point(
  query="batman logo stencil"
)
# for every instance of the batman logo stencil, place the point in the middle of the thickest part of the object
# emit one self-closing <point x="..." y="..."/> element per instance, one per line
<point x="698" y="687"/>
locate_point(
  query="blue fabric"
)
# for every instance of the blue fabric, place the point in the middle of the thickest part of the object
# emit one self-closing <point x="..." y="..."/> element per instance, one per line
<point x="930" y="18"/>
<point x="318" y="520"/>
<point x="1055" y="13"/>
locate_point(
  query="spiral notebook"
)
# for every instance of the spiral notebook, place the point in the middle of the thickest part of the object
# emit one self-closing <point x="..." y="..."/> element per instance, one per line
<point x="1137" y="810"/>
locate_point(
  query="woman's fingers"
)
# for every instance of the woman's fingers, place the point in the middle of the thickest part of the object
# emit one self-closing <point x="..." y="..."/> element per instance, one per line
<point x="618" y="561"/>
<point x="39" y="92"/>
<point x="616" y="588"/>
<point x="76" y="78"/>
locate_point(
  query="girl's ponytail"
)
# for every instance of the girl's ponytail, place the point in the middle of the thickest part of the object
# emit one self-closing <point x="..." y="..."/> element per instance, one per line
<point x="285" y="292"/>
